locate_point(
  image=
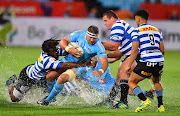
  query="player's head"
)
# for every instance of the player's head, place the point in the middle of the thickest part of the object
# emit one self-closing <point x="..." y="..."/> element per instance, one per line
<point x="50" y="47"/>
<point x="141" y="16"/>
<point x="109" y="18"/>
<point x="92" y="34"/>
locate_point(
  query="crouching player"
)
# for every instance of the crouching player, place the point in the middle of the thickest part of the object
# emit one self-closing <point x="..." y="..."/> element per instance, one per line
<point x="35" y="75"/>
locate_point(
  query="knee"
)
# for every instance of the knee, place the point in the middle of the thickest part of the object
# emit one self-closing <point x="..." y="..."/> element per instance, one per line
<point x="51" y="76"/>
<point x="63" y="78"/>
<point x="69" y="75"/>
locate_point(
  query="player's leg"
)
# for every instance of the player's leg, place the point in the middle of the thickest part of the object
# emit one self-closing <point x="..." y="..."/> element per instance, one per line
<point x="158" y="87"/>
<point x="159" y="93"/>
<point x="69" y="75"/>
<point x="123" y="77"/>
<point x="133" y="84"/>
<point x="23" y="84"/>
<point x="51" y="77"/>
<point x="140" y="72"/>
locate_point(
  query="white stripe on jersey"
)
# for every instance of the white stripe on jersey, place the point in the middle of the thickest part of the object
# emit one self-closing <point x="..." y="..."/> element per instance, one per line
<point x="123" y="30"/>
<point x="149" y="38"/>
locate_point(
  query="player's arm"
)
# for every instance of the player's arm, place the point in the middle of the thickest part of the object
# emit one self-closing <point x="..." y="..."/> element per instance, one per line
<point x="134" y="52"/>
<point x="111" y="45"/>
<point x="54" y="73"/>
<point x="104" y="62"/>
<point x="115" y="54"/>
<point x="104" y="66"/>
<point x="71" y="50"/>
<point x="64" y="42"/>
<point x="69" y="65"/>
<point x="112" y="60"/>
<point x="161" y="45"/>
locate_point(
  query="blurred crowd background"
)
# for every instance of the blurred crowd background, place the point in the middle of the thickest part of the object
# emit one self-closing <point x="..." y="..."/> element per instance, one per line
<point x="159" y="9"/>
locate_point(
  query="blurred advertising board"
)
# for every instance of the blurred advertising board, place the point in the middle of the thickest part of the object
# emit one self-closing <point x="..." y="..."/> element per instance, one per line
<point x="31" y="31"/>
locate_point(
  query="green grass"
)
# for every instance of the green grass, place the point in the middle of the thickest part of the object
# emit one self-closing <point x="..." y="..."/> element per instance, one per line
<point x="13" y="59"/>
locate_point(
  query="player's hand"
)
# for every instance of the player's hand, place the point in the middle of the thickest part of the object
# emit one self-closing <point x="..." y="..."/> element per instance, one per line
<point x="74" y="52"/>
<point x="127" y="69"/>
<point x="93" y="62"/>
<point x="97" y="74"/>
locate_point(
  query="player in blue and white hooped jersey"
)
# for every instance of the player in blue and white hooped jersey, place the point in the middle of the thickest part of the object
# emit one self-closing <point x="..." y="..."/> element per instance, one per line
<point x="120" y="39"/>
<point x="35" y="75"/>
<point x="91" y="45"/>
<point x="149" y="40"/>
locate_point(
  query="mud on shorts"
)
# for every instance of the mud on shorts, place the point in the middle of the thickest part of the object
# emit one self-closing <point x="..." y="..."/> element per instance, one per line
<point x="25" y="83"/>
<point x="147" y="69"/>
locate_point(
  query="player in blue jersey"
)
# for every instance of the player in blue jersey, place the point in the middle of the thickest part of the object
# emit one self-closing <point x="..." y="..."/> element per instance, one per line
<point x="120" y="38"/>
<point x="91" y="45"/>
<point x="149" y="40"/>
<point x="35" y="75"/>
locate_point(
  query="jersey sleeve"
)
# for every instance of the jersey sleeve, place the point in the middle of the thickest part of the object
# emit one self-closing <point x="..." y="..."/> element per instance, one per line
<point x="74" y="36"/>
<point x="100" y="50"/>
<point x="161" y="37"/>
<point x="117" y="32"/>
<point x="134" y="35"/>
<point x="51" y="63"/>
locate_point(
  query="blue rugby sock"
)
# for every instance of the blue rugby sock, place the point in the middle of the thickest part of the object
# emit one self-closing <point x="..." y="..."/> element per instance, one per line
<point x="159" y="93"/>
<point x="50" y="85"/>
<point x="137" y="91"/>
<point x="56" y="89"/>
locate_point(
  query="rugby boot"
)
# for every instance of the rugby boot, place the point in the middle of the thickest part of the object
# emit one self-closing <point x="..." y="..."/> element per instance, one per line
<point x="43" y="103"/>
<point x="11" y="80"/>
<point x="41" y="100"/>
<point x="121" y="105"/>
<point x="161" y="109"/>
<point x="143" y="105"/>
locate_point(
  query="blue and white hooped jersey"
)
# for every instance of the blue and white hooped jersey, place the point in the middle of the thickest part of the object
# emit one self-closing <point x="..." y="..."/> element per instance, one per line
<point x="149" y="38"/>
<point x="44" y="63"/>
<point x="90" y="50"/>
<point x="121" y="32"/>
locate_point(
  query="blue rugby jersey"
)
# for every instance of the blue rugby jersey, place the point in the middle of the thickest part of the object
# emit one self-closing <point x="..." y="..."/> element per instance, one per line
<point x="39" y="70"/>
<point x="149" y="38"/>
<point x="121" y="32"/>
<point x="90" y="50"/>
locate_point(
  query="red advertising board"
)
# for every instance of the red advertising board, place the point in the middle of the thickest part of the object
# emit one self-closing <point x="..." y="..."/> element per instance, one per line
<point x="79" y="9"/>
<point x="22" y="8"/>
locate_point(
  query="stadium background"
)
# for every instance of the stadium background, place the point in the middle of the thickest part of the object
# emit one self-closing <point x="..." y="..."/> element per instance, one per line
<point x="38" y="20"/>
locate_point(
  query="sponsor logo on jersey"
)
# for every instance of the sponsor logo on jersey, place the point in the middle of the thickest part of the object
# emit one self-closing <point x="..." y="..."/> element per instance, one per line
<point x="124" y="21"/>
<point x="40" y="59"/>
<point x="88" y="50"/>
<point x="148" y="29"/>
<point x="115" y="37"/>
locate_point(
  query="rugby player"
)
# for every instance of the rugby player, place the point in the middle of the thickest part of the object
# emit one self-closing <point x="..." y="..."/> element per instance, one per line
<point x="92" y="46"/>
<point x="149" y="40"/>
<point x="35" y="74"/>
<point x="120" y="38"/>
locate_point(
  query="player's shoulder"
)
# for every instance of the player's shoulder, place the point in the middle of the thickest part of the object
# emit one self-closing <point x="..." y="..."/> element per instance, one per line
<point x="78" y="32"/>
<point x="99" y="45"/>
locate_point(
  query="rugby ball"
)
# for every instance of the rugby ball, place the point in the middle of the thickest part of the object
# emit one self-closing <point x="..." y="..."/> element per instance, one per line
<point x="72" y="44"/>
